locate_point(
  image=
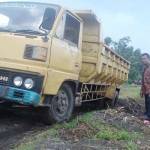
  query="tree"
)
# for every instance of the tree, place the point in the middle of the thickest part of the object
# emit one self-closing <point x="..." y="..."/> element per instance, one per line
<point x="108" y="41"/>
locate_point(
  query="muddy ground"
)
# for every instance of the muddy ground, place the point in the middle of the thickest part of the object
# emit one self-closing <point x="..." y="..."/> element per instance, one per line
<point x="15" y="125"/>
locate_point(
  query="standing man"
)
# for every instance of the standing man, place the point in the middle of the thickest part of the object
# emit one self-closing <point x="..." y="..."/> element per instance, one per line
<point x="145" y="90"/>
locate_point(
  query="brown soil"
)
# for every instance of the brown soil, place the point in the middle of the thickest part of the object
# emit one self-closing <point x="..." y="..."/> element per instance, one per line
<point x="127" y="115"/>
<point x="15" y="125"/>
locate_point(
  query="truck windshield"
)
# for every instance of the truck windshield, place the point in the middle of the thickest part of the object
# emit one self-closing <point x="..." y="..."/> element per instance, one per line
<point x="27" y="17"/>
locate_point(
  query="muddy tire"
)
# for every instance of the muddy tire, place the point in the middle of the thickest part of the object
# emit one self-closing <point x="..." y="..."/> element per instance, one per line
<point x="112" y="103"/>
<point x="115" y="100"/>
<point x="60" y="107"/>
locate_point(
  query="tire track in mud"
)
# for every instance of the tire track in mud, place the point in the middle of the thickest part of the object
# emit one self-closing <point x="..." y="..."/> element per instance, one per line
<point x="19" y="123"/>
<point x="15" y="125"/>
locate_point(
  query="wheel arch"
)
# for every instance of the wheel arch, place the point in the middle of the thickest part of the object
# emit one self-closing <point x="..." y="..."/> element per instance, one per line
<point x="73" y="84"/>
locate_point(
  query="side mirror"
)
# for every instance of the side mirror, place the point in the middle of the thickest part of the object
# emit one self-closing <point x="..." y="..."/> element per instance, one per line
<point x="48" y="19"/>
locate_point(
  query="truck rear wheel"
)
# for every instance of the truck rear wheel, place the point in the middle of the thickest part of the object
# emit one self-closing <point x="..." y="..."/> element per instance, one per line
<point x="61" y="106"/>
<point x="115" y="99"/>
<point x="111" y="103"/>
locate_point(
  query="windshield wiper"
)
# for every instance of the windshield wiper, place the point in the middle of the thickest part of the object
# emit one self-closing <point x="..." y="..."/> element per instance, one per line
<point x="28" y="31"/>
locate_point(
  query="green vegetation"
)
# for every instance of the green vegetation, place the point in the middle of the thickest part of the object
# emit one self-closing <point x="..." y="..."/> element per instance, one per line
<point x="31" y="142"/>
<point x="93" y="130"/>
<point x="111" y="134"/>
<point x="130" y="91"/>
<point x="131" y="146"/>
<point x="87" y="118"/>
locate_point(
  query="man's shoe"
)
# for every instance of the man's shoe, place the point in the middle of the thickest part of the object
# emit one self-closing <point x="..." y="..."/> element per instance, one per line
<point x="146" y="117"/>
<point x="147" y="122"/>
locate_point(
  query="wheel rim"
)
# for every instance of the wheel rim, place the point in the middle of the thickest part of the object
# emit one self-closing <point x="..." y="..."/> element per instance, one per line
<point x="61" y="103"/>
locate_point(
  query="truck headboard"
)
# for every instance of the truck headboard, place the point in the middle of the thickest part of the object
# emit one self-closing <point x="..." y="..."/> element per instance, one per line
<point x="91" y="26"/>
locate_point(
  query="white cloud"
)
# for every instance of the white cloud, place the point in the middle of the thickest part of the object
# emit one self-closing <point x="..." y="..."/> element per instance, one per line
<point x="124" y="19"/>
<point x="117" y="24"/>
<point x="4" y="20"/>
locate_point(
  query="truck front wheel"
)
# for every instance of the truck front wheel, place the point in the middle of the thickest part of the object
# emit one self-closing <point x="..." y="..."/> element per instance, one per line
<point x="61" y="106"/>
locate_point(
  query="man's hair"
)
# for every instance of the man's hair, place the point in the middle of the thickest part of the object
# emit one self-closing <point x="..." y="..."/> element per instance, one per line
<point x="146" y="54"/>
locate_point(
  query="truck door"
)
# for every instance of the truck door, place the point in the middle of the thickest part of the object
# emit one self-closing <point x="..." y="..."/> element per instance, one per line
<point x="65" y="53"/>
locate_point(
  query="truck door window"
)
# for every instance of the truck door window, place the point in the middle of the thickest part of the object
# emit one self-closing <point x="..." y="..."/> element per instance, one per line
<point x="72" y="30"/>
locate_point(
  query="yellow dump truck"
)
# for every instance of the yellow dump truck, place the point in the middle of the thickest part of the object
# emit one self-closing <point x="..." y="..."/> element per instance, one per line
<point x="54" y="59"/>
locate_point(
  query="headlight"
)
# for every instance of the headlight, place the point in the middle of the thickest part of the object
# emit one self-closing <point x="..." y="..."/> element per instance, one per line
<point x="18" y="81"/>
<point x="35" y="53"/>
<point x="29" y="83"/>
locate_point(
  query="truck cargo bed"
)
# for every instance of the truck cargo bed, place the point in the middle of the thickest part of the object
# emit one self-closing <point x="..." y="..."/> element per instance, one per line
<point x="100" y="64"/>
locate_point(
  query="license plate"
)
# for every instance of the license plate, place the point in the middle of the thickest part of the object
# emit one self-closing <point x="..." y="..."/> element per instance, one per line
<point x="4" y="78"/>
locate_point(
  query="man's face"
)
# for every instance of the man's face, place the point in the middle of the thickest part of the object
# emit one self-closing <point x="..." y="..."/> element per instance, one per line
<point x="145" y="60"/>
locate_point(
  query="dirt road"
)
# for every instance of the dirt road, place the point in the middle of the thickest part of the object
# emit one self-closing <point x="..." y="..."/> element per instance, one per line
<point x="17" y="124"/>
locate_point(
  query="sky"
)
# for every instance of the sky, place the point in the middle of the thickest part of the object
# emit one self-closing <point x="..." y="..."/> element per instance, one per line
<point x="119" y="18"/>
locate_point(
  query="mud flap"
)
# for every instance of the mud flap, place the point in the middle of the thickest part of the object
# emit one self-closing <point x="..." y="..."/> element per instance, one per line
<point x="110" y="93"/>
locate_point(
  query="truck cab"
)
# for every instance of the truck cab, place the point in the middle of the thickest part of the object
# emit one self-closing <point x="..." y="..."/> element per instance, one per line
<point x="40" y="51"/>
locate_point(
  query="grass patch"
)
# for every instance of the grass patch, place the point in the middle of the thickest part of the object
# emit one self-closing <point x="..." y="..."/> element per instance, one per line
<point x="130" y="91"/>
<point x="99" y="131"/>
<point x="31" y="143"/>
<point x="110" y="134"/>
<point x="131" y="146"/>
<point x="86" y="118"/>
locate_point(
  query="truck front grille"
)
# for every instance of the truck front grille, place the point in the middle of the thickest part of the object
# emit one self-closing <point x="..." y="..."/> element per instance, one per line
<point x="18" y="94"/>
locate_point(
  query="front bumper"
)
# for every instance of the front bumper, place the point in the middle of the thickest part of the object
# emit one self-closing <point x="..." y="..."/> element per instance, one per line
<point x="19" y="95"/>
